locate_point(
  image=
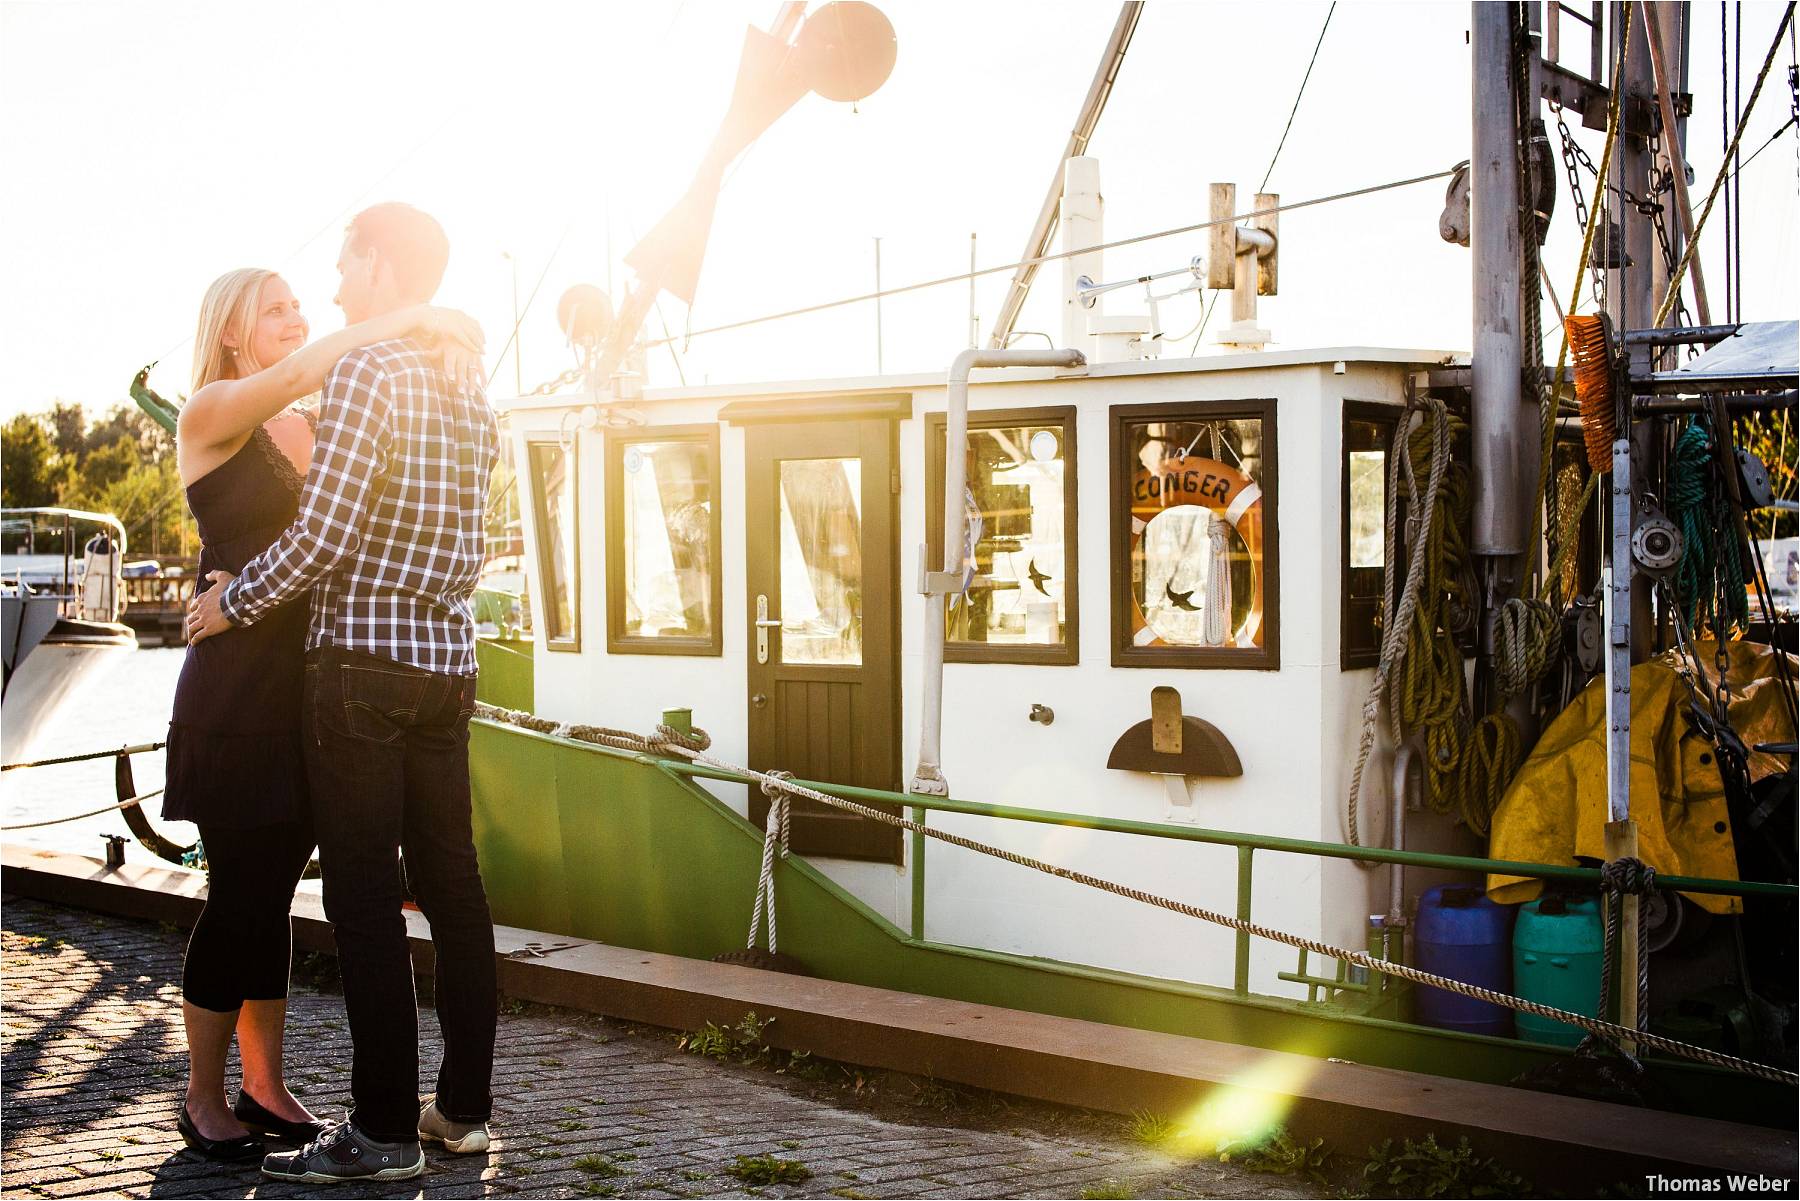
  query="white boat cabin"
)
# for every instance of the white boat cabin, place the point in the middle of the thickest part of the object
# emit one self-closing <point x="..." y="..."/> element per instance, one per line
<point x="1211" y="525"/>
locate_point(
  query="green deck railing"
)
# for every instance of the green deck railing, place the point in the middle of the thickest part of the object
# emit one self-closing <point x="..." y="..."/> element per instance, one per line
<point x="1246" y="845"/>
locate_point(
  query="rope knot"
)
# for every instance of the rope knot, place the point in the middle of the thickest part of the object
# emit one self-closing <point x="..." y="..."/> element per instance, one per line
<point x="780" y="808"/>
<point x="695" y="739"/>
<point x="1628" y="876"/>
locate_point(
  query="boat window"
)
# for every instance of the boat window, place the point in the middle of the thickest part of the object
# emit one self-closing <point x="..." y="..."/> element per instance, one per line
<point x="555" y="516"/>
<point x="1368" y="433"/>
<point x="821" y="561"/>
<point x="1020" y="555"/>
<point x="1194" y="535"/>
<point x="662" y="567"/>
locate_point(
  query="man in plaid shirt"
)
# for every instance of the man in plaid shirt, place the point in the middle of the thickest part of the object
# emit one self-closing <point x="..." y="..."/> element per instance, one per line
<point x="390" y="541"/>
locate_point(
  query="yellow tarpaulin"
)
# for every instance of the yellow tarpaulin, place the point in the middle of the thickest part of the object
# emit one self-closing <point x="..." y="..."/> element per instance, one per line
<point x="1556" y="809"/>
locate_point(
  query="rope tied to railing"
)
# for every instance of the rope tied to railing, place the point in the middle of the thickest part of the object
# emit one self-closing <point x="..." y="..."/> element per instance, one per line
<point x="75" y="817"/>
<point x="627" y="741"/>
<point x="775" y="842"/>
<point x="141" y="748"/>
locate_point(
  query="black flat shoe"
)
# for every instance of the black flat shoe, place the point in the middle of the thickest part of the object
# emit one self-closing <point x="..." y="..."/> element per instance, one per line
<point x="253" y="1114"/>
<point x="242" y="1149"/>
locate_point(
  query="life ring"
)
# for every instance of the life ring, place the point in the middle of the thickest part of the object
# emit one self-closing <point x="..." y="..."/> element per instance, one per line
<point x="1196" y="482"/>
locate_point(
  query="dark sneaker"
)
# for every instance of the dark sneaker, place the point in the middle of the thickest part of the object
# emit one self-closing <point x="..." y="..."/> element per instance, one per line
<point x="343" y="1154"/>
<point x="464" y="1138"/>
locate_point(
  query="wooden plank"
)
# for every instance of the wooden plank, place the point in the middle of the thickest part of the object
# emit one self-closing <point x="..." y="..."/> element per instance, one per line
<point x="1573" y="1142"/>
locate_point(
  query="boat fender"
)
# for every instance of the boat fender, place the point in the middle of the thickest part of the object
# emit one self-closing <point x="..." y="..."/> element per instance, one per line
<point x="1193" y="481"/>
<point x="102" y="567"/>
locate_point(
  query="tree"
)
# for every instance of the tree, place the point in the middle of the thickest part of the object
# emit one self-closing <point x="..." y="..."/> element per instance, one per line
<point x="150" y="442"/>
<point x="68" y="429"/>
<point x="32" y="473"/>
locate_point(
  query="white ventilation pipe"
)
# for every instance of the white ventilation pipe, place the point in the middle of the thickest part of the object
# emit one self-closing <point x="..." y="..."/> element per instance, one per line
<point x="939" y="586"/>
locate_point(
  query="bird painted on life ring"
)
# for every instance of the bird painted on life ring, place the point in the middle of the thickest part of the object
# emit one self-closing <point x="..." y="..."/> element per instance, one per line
<point x="1190" y="480"/>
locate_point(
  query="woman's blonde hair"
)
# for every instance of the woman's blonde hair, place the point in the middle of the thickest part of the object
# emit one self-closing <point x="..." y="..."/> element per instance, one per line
<point x="229" y="306"/>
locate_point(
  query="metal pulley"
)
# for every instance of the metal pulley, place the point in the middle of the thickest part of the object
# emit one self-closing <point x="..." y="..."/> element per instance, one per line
<point x="1759" y="492"/>
<point x="1586" y="633"/>
<point x="1656" y="544"/>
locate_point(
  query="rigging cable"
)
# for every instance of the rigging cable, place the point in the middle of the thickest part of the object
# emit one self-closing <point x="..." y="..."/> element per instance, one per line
<point x="965" y="276"/>
<point x="1206" y="316"/>
<point x="1297" y="95"/>
<point x="1687" y="254"/>
<point x="1785" y="126"/>
<point x="1725" y="119"/>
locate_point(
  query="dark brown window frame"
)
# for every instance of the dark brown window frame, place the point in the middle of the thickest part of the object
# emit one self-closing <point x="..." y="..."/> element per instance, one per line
<point x="1352" y="612"/>
<point x="1068" y="653"/>
<point x="540" y="527"/>
<point x="641" y="644"/>
<point x="1124" y="654"/>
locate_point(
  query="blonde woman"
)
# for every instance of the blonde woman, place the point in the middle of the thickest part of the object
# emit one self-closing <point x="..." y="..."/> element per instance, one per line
<point x="234" y="757"/>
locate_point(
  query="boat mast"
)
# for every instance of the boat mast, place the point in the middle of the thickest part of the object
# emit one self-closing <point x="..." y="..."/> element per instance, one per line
<point x="1038" y="244"/>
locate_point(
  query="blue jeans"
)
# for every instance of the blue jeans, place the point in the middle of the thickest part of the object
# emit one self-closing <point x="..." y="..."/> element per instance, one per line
<point x="387" y="753"/>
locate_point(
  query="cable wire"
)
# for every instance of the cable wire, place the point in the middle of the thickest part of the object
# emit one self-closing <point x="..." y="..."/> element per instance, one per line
<point x="965" y="276"/>
<point x="1297" y="95"/>
<point x="1206" y="315"/>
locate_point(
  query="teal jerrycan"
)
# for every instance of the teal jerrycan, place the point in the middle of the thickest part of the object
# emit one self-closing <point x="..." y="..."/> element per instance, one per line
<point x="1559" y="947"/>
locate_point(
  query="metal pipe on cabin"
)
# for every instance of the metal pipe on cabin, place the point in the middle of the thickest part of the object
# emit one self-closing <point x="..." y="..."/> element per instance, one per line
<point x="1735" y="404"/>
<point x="928" y="777"/>
<point x="1252" y="244"/>
<point x="1404" y="758"/>
<point x="1497" y="428"/>
<point x="1083" y="225"/>
<point x="1695" y="383"/>
<point x="1633" y="292"/>
<point x="1681" y="335"/>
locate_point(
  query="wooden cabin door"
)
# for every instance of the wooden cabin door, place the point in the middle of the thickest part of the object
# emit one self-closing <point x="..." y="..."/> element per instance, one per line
<point x="822" y="619"/>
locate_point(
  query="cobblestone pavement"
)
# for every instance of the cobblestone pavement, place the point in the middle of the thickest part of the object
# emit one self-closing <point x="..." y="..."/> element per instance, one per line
<point x="94" y="1069"/>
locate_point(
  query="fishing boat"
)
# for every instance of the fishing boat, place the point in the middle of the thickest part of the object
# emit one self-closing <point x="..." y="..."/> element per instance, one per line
<point x="61" y="612"/>
<point x="1187" y="693"/>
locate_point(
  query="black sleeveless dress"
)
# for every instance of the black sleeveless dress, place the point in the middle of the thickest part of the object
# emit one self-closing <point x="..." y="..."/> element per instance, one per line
<point x="234" y="753"/>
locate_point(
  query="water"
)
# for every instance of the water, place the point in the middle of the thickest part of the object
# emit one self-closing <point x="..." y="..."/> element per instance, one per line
<point x="128" y="705"/>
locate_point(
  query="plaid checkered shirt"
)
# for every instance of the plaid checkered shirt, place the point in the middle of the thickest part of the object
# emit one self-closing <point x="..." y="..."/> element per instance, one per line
<point x="390" y="533"/>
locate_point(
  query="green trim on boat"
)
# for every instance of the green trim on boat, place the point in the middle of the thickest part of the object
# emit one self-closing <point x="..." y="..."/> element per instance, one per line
<point x="508" y="678"/>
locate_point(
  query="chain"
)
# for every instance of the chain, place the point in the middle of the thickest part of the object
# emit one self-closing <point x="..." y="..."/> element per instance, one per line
<point x="1574" y="156"/>
<point x="572" y="376"/>
<point x="1662" y="183"/>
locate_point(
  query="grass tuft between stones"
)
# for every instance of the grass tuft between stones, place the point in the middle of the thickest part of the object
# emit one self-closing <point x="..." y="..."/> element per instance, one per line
<point x="766" y="1169"/>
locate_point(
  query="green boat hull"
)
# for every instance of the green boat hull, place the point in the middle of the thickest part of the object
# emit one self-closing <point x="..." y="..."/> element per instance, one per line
<point x="580" y="841"/>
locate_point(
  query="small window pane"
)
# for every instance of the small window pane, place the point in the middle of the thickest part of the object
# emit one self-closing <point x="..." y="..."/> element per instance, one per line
<point x="666" y="528"/>
<point x="821" y="561"/>
<point x="1196" y="533"/>
<point x="1013" y="551"/>
<point x="1368" y="508"/>
<point x="553" y="470"/>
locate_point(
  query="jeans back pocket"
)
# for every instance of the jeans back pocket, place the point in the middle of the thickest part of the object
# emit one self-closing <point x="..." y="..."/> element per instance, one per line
<point x="381" y="704"/>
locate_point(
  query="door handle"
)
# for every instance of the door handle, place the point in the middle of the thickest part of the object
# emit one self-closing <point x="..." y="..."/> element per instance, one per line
<point x="759" y="700"/>
<point x="763" y="623"/>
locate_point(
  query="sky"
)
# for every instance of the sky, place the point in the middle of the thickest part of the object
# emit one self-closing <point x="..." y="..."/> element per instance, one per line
<point x="150" y="146"/>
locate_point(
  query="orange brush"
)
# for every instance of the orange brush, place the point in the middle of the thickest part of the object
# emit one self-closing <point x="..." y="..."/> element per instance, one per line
<point x="1590" y="339"/>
